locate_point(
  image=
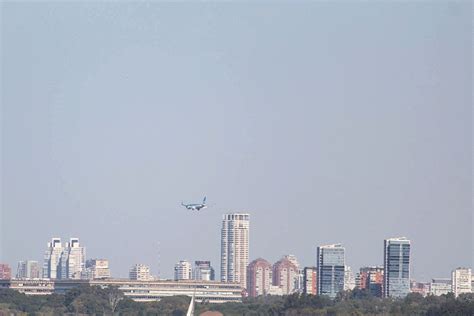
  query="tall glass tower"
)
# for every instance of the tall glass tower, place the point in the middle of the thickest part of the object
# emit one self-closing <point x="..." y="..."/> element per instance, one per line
<point x="396" y="257"/>
<point x="331" y="266"/>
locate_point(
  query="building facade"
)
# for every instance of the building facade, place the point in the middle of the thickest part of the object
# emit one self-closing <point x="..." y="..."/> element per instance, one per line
<point x="259" y="277"/>
<point x="371" y="279"/>
<point x="235" y="248"/>
<point x="440" y="287"/>
<point x="28" y="269"/>
<point x="139" y="272"/>
<point x="74" y="256"/>
<point x="310" y="280"/>
<point x="285" y="276"/>
<point x="396" y="267"/>
<point x="52" y="259"/>
<point x="183" y="270"/>
<point x="203" y="271"/>
<point x="461" y="281"/>
<point x="5" y="271"/>
<point x="97" y="269"/>
<point x="331" y="269"/>
<point x="349" y="279"/>
<point x="141" y="291"/>
<point x="64" y="262"/>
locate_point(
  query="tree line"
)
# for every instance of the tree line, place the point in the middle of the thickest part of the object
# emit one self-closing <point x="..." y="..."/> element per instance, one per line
<point x="87" y="300"/>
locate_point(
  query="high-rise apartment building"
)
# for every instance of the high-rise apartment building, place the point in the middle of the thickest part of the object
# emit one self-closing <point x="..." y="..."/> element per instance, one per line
<point x="183" y="270"/>
<point x="52" y="259"/>
<point x="64" y="262"/>
<point x="285" y="276"/>
<point x="349" y="279"/>
<point x="310" y="280"/>
<point x="371" y="278"/>
<point x="299" y="282"/>
<point x="331" y="269"/>
<point x="440" y="286"/>
<point x="235" y="248"/>
<point x="259" y="277"/>
<point x="97" y="269"/>
<point x="461" y="281"/>
<point x="140" y="272"/>
<point x="5" y="271"/>
<point x="75" y="259"/>
<point x="396" y="267"/>
<point x="203" y="271"/>
<point x="28" y="269"/>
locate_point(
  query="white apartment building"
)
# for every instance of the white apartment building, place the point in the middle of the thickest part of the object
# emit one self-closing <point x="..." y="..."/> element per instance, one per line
<point x="140" y="272"/>
<point x="235" y="248"/>
<point x="461" y="281"/>
<point x="183" y="270"/>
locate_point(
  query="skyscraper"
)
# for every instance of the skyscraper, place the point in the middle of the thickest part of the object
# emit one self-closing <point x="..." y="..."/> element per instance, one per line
<point x="396" y="259"/>
<point x="28" y="270"/>
<point x="203" y="271"/>
<point x="331" y="267"/>
<point x="259" y="277"/>
<point x="461" y="281"/>
<point x="183" y="270"/>
<point x="285" y="276"/>
<point x="235" y="248"/>
<point x="64" y="263"/>
<point x="52" y="259"/>
<point x="75" y="259"/>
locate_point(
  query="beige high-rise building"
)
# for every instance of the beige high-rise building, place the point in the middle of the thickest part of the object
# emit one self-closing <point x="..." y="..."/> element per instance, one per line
<point x="461" y="281"/>
<point x="183" y="270"/>
<point x="140" y="272"/>
<point x="285" y="276"/>
<point x="259" y="277"/>
<point x="52" y="259"/>
<point x="97" y="269"/>
<point x="235" y="248"/>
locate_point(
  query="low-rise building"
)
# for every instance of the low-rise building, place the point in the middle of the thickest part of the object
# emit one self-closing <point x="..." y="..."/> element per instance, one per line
<point x="440" y="286"/>
<point x="422" y="288"/>
<point x="141" y="291"/>
<point x="29" y="286"/>
<point x="147" y="291"/>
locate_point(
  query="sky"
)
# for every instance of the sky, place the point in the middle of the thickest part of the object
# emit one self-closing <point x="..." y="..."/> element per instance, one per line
<point x="328" y="122"/>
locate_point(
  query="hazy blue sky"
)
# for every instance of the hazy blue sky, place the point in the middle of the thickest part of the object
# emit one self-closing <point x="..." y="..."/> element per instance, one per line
<point x="328" y="122"/>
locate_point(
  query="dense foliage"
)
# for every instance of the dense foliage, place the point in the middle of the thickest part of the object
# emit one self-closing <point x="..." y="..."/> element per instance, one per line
<point x="98" y="301"/>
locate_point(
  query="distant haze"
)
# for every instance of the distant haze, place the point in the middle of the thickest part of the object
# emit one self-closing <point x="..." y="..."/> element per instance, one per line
<point x="328" y="122"/>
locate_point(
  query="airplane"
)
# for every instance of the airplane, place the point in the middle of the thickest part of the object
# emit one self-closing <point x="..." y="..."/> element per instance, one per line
<point x="197" y="206"/>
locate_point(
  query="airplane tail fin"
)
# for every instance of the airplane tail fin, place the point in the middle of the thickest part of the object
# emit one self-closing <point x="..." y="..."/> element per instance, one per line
<point x="204" y="200"/>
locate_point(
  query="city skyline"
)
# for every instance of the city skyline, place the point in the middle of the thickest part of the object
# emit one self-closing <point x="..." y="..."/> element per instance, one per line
<point x="328" y="122"/>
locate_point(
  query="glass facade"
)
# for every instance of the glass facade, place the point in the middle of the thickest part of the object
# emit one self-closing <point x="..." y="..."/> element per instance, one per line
<point x="331" y="266"/>
<point x="396" y="267"/>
